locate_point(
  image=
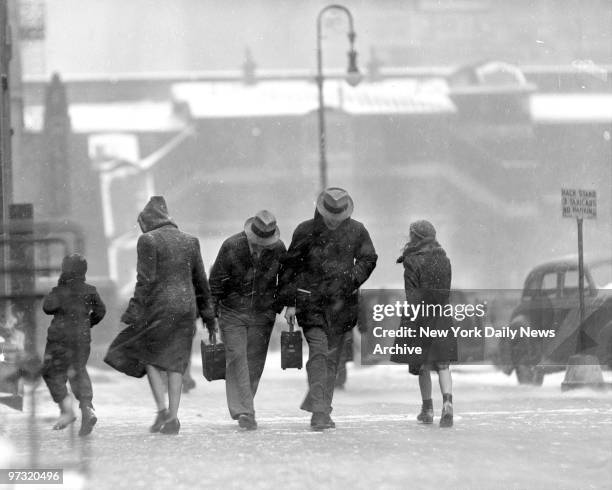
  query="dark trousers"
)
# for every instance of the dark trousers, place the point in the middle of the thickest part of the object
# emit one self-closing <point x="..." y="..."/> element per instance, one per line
<point x="324" y="352"/>
<point x="246" y="338"/>
<point x="67" y="361"/>
<point x="345" y="356"/>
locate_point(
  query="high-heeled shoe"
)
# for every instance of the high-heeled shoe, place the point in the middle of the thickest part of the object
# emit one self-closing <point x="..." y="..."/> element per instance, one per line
<point x="171" y="427"/>
<point x="162" y="416"/>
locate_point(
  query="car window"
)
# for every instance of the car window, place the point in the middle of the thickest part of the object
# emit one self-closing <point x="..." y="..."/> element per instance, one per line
<point x="549" y="284"/>
<point x="570" y="283"/>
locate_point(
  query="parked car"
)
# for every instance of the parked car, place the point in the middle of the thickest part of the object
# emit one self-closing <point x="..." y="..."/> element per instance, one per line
<point x="550" y="301"/>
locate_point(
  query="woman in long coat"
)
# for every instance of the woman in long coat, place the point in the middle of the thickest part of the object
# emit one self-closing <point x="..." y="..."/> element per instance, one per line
<point x="427" y="280"/>
<point x="171" y="291"/>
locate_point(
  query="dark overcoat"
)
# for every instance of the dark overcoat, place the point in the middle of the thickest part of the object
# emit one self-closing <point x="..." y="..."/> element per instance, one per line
<point x="171" y="291"/>
<point x="427" y="281"/>
<point x="323" y="271"/>
<point x="244" y="284"/>
<point x="76" y="307"/>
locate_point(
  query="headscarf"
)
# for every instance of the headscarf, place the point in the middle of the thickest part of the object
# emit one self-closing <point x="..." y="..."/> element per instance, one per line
<point x="422" y="234"/>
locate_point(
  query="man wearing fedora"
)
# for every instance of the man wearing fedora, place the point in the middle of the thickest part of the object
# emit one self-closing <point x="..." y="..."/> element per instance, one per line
<point x="329" y="258"/>
<point x="244" y="282"/>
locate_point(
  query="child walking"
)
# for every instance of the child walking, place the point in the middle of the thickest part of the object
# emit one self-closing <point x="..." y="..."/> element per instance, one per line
<point x="76" y="307"/>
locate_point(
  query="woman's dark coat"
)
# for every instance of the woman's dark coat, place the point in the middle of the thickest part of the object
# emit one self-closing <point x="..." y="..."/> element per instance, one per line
<point x="245" y="284"/>
<point x="427" y="280"/>
<point x="323" y="271"/>
<point x="171" y="291"/>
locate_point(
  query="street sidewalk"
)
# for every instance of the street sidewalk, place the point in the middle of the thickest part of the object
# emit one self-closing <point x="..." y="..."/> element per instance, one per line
<point x="505" y="435"/>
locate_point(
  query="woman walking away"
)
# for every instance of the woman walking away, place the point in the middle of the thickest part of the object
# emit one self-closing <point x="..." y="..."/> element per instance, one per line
<point x="76" y="307"/>
<point x="427" y="280"/>
<point x="171" y="291"/>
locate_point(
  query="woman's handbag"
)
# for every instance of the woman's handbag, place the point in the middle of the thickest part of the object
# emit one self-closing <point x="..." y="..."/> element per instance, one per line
<point x="291" y="349"/>
<point x="213" y="359"/>
<point x="121" y="353"/>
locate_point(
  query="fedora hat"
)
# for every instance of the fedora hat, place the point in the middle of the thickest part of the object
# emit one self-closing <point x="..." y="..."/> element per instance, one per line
<point x="335" y="204"/>
<point x="261" y="229"/>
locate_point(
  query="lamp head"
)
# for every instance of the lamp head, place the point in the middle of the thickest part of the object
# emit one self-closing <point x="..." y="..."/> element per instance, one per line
<point x="353" y="76"/>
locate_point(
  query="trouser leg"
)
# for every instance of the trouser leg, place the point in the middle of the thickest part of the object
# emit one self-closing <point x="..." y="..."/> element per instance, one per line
<point x="316" y="370"/>
<point x="335" y="346"/>
<point x="258" y="339"/>
<point x="55" y="370"/>
<point x="324" y="354"/>
<point x="80" y="383"/>
<point x="341" y="374"/>
<point x="346" y="355"/>
<point x="237" y="379"/>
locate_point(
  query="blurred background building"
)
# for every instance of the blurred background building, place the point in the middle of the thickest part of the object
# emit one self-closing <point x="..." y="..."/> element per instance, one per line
<point x="111" y="37"/>
<point x="472" y="113"/>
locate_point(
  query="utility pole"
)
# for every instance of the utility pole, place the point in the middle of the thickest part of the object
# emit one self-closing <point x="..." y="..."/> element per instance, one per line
<point x="5" y="113"/>
<point x="6" y="163"/>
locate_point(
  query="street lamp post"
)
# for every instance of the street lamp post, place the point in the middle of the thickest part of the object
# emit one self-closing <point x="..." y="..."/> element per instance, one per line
<point x="353" y="78"/>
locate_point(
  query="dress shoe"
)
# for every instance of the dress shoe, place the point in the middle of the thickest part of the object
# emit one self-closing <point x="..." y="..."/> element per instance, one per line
<point x="247" y="421"/>
<point x="88" y="420"/>
<point x="162" y="416"/>
<point x="171" y="427"/>
<point x="321" y="421"/>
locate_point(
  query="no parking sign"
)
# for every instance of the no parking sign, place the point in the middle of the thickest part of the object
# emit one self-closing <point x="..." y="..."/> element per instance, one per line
<point x="579" y="203"/>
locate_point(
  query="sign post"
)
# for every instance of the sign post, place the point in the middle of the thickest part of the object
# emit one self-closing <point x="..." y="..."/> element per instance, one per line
<point x="579" y="204"/>
<point x="582" y="370"/>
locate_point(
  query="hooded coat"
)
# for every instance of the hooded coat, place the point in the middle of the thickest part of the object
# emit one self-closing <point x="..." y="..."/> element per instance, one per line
<point x="323" y="270"/>
<point x="427" y="280"/>
<point x="74" y="304"/>
<point x="171" y="290"/>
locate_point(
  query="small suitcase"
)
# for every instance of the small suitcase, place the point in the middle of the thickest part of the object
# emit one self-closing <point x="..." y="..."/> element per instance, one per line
<point x="291" y="349"/>
<point x="213" y="359"/>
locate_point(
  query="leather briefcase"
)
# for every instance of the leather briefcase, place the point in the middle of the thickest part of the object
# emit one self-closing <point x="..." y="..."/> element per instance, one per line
<point x="291" y="349"/>
<point x="213" y="359"/>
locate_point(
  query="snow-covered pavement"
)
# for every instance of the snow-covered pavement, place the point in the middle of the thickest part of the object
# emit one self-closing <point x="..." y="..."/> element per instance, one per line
<point x="505" y="436"/>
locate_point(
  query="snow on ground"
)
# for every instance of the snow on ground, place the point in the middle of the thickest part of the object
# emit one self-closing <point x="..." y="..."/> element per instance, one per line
<point x="505" y="435"/>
